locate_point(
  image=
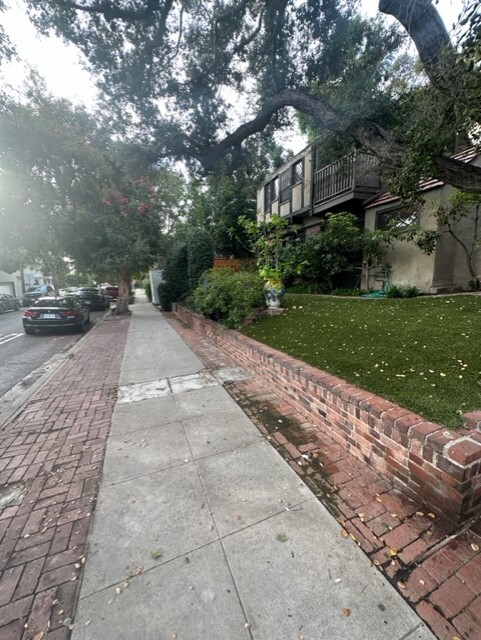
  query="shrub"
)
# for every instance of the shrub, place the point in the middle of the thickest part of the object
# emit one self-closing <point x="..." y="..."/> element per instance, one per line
<point x="411" y="292"/>
<point x="228" y="296"/>
<point x="307" y="287"/>
<point x="176" y="284"/>
<point x="397" y="291"/>
<point x="148" y="291"/>
<point x="394" y="291"/>
<point x="200" y="256"/>
<point x="166" y="297"/>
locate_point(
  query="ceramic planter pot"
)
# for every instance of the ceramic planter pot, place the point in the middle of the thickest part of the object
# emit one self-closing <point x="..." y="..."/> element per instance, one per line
<point x="274" y="297"/>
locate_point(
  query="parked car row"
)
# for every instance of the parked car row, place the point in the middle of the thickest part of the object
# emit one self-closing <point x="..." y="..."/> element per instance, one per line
<point x="70" y="308"/>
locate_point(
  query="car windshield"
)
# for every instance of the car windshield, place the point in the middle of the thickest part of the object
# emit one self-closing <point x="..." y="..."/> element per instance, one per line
<point x="53" y="302"/>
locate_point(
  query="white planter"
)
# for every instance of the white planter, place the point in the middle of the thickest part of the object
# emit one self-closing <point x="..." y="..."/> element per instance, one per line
<point x="274" y="297"/>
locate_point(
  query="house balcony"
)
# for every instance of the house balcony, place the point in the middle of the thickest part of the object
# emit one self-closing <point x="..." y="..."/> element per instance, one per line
<point x="353" y="177"/>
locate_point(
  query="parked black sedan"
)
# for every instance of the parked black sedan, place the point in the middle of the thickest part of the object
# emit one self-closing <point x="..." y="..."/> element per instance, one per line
<point x="93" y="299"/>
<point x="56" y="313"/>
<point x="8" y="303"/>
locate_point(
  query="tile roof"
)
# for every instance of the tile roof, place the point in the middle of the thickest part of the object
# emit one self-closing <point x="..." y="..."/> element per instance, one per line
<point x="425" y="184"/>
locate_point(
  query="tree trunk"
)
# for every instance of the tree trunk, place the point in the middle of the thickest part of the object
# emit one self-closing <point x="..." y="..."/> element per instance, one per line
<point x="122" y="306"/>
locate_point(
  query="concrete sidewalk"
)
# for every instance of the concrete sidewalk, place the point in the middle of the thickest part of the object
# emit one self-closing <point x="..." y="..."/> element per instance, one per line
<point x="202" y="530"/>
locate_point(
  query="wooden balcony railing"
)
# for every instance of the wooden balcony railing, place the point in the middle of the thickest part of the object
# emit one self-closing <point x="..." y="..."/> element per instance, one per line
<point x="351" y="173"/>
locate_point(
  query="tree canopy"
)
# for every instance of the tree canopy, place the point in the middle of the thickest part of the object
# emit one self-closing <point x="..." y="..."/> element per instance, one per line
<point x="70" y="190"/>
<point x="197" y="79"/>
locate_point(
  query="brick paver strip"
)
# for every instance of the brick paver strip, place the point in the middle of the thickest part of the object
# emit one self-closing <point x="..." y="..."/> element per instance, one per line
<point x="56" y="446"/>
<point x="396" y="533"/>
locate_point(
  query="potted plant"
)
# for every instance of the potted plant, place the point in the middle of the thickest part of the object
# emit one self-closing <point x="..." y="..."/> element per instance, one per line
<point x="273" y="286"/>
<point x="266" y="242"/>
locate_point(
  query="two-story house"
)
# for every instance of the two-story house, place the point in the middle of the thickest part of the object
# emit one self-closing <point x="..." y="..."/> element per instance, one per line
<point x="304" y="190"/>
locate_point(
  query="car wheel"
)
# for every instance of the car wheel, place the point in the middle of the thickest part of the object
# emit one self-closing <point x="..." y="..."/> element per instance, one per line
<point x="29" y="331"/>
<point x="2" y="308"/>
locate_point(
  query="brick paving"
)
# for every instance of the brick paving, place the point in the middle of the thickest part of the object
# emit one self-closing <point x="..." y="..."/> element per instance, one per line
<point x="53" y="452"/>
<point x="436" y="569"/>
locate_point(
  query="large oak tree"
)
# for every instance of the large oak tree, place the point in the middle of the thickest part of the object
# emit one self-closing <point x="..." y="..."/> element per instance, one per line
<point x="200" y="77"/>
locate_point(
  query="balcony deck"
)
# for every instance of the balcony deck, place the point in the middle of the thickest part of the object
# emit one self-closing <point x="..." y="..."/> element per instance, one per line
<point x="353" y="176"/>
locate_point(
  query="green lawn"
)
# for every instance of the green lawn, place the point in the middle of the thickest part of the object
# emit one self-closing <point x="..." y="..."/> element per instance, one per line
<point x="422" y="353"/>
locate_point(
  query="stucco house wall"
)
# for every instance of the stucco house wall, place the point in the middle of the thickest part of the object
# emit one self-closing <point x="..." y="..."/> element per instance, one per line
<point x="446" y="268"/>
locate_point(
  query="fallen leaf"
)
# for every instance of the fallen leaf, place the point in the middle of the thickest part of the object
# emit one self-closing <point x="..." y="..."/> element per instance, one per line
<point x="156" y="554"/>
<point x="38" y="636"/>
<point x="474" y="547"/>
<point x="344" y="533"/>
<point x="393" y="551"/>
<point x="111" y="600"/>
<point x="431" y="515"/>
<point x="401" y="585"/>
<point x="419" y="513"/>
<point x="346" y="613"/>
<point x="282" y="537"/>
<point x="138" y="570"/>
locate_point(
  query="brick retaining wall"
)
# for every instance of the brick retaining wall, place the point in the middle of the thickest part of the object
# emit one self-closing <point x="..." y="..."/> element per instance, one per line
<point x="431" y="464"/>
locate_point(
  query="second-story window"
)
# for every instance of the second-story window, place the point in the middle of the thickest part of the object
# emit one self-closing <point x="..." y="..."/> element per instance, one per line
<point x="297" y="172"/>
<point x="285" y="185"/>
<point x="275" y="189"/>
<point x="268" y="197"/>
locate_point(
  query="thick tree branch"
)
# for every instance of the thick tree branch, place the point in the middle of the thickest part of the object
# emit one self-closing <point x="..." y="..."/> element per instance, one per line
<point x="426" y="29"/>
<point x="315" y="107"/>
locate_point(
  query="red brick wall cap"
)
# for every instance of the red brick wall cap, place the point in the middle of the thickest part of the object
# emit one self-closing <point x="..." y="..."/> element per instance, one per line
<point x="472" y="419"/>
<point x="421" y="430"/>
<point x="464" y="451"/>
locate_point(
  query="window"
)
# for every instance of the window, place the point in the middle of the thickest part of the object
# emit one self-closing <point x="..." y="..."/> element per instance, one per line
<point x="297" y="172"/>
<point x="285" y="185"/>
<point x="268" y="197"/>
<point x="275" y="189"/>
<point x="400" y="218"/>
